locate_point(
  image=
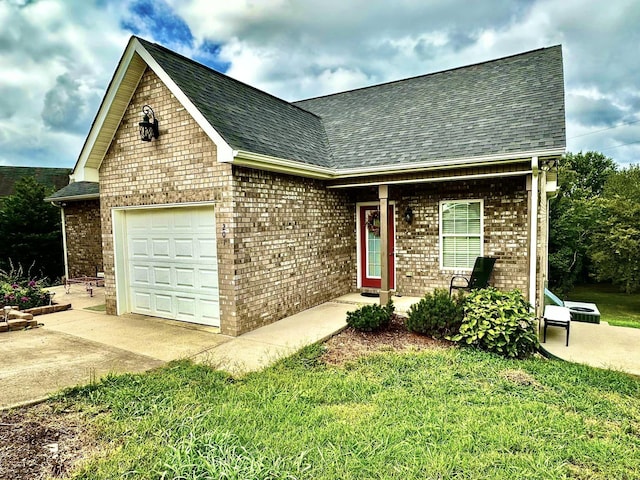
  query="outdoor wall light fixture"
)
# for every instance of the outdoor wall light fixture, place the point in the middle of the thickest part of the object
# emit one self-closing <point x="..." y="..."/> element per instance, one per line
<point x="148" y="129"/>
<point x="408" y="215"/>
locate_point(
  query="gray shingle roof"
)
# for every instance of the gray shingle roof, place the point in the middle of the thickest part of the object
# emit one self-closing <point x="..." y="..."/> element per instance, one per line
<point x="514" y="104"/>
<point x="247" y="118"/>
<point x="76" y="190"/>
<point x="50" y="177"/>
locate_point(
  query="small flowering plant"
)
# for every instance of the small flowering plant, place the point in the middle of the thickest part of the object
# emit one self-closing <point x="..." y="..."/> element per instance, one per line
<point x="27" y="294"/>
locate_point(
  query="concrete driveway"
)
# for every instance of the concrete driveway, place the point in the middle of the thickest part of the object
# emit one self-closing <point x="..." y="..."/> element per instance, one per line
<point x="80" y="346"/>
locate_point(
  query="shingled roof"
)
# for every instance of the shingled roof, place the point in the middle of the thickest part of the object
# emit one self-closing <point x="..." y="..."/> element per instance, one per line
<point x="511" y="105"/>
<point x="247" y="118"/>
<point x="76" y="191"/>
<point x="50" y="177"/>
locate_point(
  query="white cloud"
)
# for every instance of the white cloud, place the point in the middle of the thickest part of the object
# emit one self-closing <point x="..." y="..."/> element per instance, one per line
<point x="57" y="56"/>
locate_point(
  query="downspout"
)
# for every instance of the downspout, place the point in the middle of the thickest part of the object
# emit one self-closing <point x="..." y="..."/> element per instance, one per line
<point x="64" y="237"/>
<point x="533" y="234"/>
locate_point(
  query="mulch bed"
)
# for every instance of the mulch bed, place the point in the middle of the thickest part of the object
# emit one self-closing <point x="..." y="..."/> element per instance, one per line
<point x="38" y="442"/>
<point x="350" y="344"/>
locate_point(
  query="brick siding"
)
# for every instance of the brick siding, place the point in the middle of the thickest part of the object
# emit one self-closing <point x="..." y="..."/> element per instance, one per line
<point x="84" y="238"/>
<point x="178" y="167"/>
<point x="291" y="241"/>
<point x="294" y="245"/>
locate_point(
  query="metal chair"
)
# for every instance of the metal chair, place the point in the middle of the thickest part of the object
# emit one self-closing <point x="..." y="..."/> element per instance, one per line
<point x="482" y="270"/>
<point x="556" y="316"/>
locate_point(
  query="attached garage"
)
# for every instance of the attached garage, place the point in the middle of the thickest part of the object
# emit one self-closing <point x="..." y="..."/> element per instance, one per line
<point x="166" y="263"/>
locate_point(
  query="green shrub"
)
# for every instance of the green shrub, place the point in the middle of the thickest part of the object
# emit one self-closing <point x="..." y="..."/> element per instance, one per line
<point x="436" y="314"/>
<point x="369" y="318"/>
<point x="499" y="322"/>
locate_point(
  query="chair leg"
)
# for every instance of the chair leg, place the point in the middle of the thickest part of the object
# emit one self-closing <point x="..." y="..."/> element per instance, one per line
<point x="544" y="340"/>
<point x="568" y="324"/>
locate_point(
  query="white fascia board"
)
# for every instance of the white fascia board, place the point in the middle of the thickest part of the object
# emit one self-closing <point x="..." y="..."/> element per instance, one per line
<point x="280" y="165"/>
<point x="80" y="171"/>
<point x="293" y="167"/>
<point x="475" y="176"/>
<point x="224" y="150"/>
<point x="448" y="163"/>
<point x="73" y="198"/>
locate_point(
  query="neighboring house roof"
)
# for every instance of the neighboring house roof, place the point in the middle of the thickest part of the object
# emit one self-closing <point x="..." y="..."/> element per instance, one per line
<point x="500" y="110"/>
<point x="49" y="177"/>
<point x="76" y="191"/>
<point x="511" y="105"/>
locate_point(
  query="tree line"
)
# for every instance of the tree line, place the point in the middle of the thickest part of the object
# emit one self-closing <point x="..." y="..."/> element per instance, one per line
<point x="30" y="234"/>
<point x="594" y="224"/>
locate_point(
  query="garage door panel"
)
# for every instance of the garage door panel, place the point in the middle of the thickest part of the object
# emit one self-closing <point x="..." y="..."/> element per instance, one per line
<point x="185" y="277"/>
<point x="208" y="278"/>
<point x="184" y="248"/>
<point x="141" y="275"/>
<point x="163" y="303"/>
<point x="160" y="248"/>
<point x="139" y="248"/>
<point x="186" y="307"/>
<point x="207" y="247"/>
<point x="162" y="276"/>
<point x="173" y="264"/>
<point x="209" y="309"/>
<point x="142" y="301"/>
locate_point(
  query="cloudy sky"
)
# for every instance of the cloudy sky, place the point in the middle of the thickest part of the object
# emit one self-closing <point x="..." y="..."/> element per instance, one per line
<point x="57" y="56"/>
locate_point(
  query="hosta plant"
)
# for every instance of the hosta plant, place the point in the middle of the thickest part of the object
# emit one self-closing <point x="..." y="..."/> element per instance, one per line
<point x="499" y="322"/>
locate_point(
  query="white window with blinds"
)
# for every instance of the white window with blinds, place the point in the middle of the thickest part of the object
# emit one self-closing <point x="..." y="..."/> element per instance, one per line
<point x="461" y="233"/>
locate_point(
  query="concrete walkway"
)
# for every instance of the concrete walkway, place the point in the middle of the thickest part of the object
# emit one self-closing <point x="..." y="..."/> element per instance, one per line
<point x="598" y="345"/>
<point x="80" y="346"/>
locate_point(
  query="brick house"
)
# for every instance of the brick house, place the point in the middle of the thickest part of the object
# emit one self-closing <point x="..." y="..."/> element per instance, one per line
<point x="247" y="208"/>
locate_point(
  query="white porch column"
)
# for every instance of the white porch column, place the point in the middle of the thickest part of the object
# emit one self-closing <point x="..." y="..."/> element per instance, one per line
<point x="383" y="194"/>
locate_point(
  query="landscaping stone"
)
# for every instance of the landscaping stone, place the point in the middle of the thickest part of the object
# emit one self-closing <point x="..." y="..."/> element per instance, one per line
<point x="18" y="315"/>
<point x="4" y="327"/>
<point x="17" y="324"/>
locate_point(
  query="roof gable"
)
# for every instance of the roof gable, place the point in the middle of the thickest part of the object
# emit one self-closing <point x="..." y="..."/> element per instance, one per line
<point x="248" y="119"/>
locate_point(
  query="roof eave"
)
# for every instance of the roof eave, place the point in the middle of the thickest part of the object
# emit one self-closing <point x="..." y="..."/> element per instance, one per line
<point x="295" y="167"/>
<point x="73" y="198"/>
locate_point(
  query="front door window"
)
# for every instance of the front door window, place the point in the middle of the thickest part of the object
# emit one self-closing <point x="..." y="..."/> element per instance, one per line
<point x="370" y="245"/>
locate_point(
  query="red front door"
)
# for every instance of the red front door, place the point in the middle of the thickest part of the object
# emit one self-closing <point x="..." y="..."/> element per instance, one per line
<point x="370" y="268"/>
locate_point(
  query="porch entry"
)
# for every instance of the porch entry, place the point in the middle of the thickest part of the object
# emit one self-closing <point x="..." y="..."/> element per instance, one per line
<point x="369" y="246"/>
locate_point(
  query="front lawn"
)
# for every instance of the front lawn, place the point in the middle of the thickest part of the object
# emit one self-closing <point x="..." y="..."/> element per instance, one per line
<point x="616" y="308"/>
<point x="440" y="413"/>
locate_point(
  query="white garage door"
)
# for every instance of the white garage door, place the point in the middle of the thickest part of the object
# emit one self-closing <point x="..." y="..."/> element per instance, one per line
<point x="172" y="267"/>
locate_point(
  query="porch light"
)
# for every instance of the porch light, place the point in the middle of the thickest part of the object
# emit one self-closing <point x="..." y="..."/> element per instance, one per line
<point x="408" y="215"/>
<point x="148" y="130"/>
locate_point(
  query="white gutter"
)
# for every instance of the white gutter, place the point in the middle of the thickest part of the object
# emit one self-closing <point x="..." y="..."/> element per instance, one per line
<point x="436" y="179"/>
<point x="533" y="251"/>
<point x="87" y="196"/>
<point x="295" y="167"/>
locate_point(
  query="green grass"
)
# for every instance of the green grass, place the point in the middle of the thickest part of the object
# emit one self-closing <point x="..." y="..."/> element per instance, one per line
<point x="616" y="308"/>
<point x="445" y="413"/>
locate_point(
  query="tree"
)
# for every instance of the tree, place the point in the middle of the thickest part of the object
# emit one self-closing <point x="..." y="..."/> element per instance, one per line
<point x="30" y="231"/>
<point x="573" y="214"/>
<point x="615" y="246"/>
